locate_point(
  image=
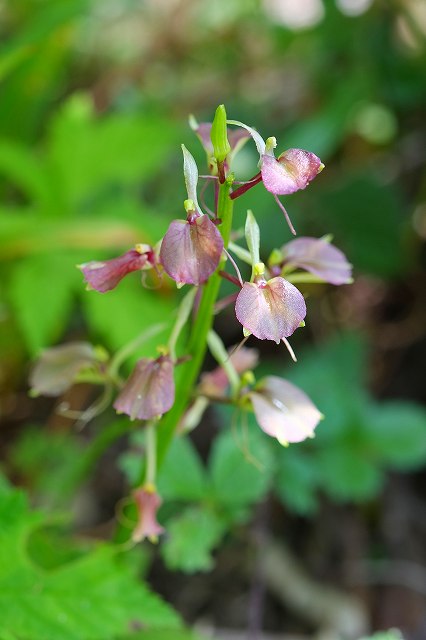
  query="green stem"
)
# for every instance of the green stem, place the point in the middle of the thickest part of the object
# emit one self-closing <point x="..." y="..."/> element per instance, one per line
<point x="151" y="453"/>
<point x="187" y="373"/>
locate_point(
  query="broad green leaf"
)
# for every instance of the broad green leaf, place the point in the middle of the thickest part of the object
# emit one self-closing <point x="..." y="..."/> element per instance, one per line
<point x="182" y="476"/>
<point x="87" y="154"/>
<point x="397" y="433"/>
<point x="348" y="475"/>
<point x="368" y="217"/>
<point x="240" y="477"/>
<point x="25" y="171"/>
<point x="297" y="480"/>
<point x="168" y="634"/>
<point x="393" y="634"/>
<point x="94" y="596"/>
<point x="41" y="291"/>
<point x="191" y="537"/>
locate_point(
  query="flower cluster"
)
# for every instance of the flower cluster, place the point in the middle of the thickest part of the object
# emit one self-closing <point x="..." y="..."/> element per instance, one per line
<point x="196" y="251"/>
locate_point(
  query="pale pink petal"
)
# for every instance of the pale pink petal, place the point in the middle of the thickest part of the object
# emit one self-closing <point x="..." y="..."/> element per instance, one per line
<point x="57" y="368"/>
<point x="150" y="390"/>
<point x="147" y="504"/>
<point x="284" y="411"/>
<point x="293" y="170"/>
<point x="191" y="251"/>
<point x="320" y="258"/>
<point x="271" y="311"/>
<point x="104" y="276"/>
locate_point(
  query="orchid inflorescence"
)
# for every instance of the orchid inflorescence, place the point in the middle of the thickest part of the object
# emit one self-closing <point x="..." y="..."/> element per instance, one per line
<point x="195" y="251"/>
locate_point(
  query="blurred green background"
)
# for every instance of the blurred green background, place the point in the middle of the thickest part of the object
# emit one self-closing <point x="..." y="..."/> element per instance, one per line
<point x="94" y="101"/>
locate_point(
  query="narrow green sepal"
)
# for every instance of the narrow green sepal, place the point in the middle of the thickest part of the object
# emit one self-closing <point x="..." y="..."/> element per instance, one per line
<point x="219" y="136"/>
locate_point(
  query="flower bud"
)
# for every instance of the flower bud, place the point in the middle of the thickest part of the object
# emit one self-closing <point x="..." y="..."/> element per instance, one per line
<point x="147" y="503"/>
<point x="218" y="134"/>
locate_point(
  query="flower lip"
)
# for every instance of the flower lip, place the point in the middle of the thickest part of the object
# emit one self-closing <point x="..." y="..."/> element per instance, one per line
<point x="291" y="171"/>
<point x="57" y="367"/>
<point x="320" y="258"/>
<point x="283" y="410"/>
<point x="270" y="310"/>
<point x="150" y="390"/>
<point x="103" y="276"/>
<point x="191" y="249"/>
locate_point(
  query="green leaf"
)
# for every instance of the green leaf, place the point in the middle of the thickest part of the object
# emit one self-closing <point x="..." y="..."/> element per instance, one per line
<point x="121" y="315"/>
<point x="25" y="171"/>
<point x="397" y="433"/>
<point x="297" y="480"/>
<point x="41" y="290"/>
<point x="94" y="596"/>
<point x="240" y="478"/>
<point x="368" y="217"/>
<point x="348" y="475"/>
<point x="182" y="475"/>
<point x="393" y="634"/>
<point x="87" y="154"/>
<point x="191" y="537"/>
<point x="167" y="634"/>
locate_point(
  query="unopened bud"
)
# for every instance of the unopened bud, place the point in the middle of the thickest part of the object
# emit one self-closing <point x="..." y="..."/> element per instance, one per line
<point x="219" y="136"/>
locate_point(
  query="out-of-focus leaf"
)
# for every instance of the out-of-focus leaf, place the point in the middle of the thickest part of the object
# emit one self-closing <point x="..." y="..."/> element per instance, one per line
<point x="348" y="475"/>
<point x="182" y="476"/>
<point x="24" y="170"/>
<point x="41" y="291"/>
<point x="121" y="315"/>
<point x="297" y="480"/>
<point x="397" y="433"/>
<point x="240" y="478"/>
<point x="93" y="596"/>
<point x="167" y="634"/>
<point x="86" y="154"/>
<point x="191" y="537"/>
<point x="368" y="218"/>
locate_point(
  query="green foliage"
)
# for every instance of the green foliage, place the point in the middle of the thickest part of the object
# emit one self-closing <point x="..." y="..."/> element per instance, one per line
<point x="182" y="475"/>
<point x="239" y="480"/>
<point x="91" y="596"/>
<point x="191" y="538"/>
<point x="393" y="634"/>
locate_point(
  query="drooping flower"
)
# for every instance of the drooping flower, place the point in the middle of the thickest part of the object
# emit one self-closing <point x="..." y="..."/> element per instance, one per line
<point x="191" y="249"/>
<point x="283" y="410"/>
<point x="270" y="309"/>
<point x="319" y="257"/>
<point x="105" y="275"/>
<point x="150" y="390"/>
<point x="293" y="170"/>
<point x="147" y="503"/>
<point x="58" y="367"/>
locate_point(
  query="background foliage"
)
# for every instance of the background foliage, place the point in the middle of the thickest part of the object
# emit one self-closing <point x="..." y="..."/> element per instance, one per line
<point x="94" y="97"/>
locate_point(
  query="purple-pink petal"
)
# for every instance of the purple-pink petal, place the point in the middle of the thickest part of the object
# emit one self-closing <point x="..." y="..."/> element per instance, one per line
<point x="284" y="411"/>
<point x="150" y="390"/>
<point x="270" y="311"/>
<point x="191" y="251"/>
<point x="57" y="367"/>
<point x="104" y="276"/>
<point x="147" y="504"/>
<point x="292" y="170"/>
<point x="319" y="257"/>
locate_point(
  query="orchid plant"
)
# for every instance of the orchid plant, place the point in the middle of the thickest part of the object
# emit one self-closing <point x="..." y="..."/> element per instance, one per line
<point x="168" y="392"/>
